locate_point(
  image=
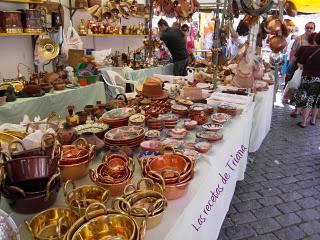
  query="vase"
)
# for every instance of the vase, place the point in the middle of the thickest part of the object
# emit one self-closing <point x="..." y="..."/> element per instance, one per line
<point x="67" y="134"/>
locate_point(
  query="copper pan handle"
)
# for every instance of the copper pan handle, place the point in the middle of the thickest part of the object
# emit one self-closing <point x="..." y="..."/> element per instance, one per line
<point x="143" y="226"/>
<point x="17" y="190"/>
<point x="146" y="181"/>
<point x="168" y="147"/>
<point x="54" y="177"/>
<point x="164" y="172"/>
<point x="121" y="200"/>
<point x="159" y="176"/>
<point x="59" y="227"/>
<point x="16" y="142"/>
<point x="93" y="175"/>
<point x="92" y="206"/>
<point x="126" y="190"/>
<point x="105" y="196"/>
<point x="81" y="143"/>
<point x="54" y="115"/>
<point x="29" y="227"/>
<point x="65" y="187"/>
<point x="130" y="163"/>
<point x="5" y="157"/>
<point x="45" y="137"/>
<point x="92" y="152"/>
<point x="159" y="202"/>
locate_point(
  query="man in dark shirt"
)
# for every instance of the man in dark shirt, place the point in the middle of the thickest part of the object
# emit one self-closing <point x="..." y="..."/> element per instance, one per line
<point x="175" y="42"/>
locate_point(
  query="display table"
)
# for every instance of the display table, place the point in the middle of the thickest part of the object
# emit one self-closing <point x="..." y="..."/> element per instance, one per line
<point x="262" y="118"/>
<point x="200" y="213"/>
<point x="140" y="75"/>
<point x="58" y="101"/>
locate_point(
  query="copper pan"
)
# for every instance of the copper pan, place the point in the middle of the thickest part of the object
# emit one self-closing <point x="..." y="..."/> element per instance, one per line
<point x="77" y="153"/>
<point x="116" y="189"/>
<point x="174" y="191"/>
<point x="76" y="171"/>
<point x="29" y="168"/>
<point x="31" y="204"/>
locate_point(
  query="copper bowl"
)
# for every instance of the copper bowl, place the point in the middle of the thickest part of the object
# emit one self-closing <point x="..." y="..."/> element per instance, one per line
<point x="277" y="43"/>
<point x="29" y="168"/>
<point x="72" y="155"/>
<point x="116" y="189"/>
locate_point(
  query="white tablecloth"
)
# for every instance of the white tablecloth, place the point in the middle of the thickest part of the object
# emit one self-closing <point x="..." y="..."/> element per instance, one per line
<point x="183" y="217"/>
<point x="261" y="118"/>
<point x="58" y="101"/>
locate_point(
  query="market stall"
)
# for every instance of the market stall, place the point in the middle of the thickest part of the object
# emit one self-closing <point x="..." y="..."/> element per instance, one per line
<point x="222" y="167"/>
<point x="55" y="102"/>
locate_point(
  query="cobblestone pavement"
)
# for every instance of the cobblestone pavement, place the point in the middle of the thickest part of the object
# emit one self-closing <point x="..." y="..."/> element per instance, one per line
<point x="280" y="196"/>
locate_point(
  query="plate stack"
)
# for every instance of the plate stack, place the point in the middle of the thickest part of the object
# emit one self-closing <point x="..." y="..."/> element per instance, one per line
<point x="117" y="117"/>
<point x="170" y="120"/>
<point x="130" y="136"/>
<point x="228" y="109"/>
<point x="155" y="124"/>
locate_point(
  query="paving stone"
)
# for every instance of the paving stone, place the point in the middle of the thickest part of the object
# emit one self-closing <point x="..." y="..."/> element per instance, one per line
<point x="308" y="192"/>
<point x="244" y="217"/>
<point x="273" y="175"/>
<point x="289" y="180"/>
<point x="290" y="233"/>
<point x="289" y="187"/>
<point x="291" y="196"/>
<point x="265" y="226"/>
<point x="270" y="192"/>
<point x="289" y="207"/>
<point x="250" y="188"/>
<point x="268" y="201"/>
<point x="239" y="232"/>
<point x="228" y="222"/>
<point x="310" y="228"/>
<point x="288" y="219"/>
<point x="248" y="205"/>
<point x="249" y="196"/>
<point x="313" y="237"/>
<point x="266" y="212"/>
<point x="308" y="183"/>
<point x="308" y="214"/>
<point x="222" y="236"/>
<point x="308" y="202"/>
<point x="269" y="236"/>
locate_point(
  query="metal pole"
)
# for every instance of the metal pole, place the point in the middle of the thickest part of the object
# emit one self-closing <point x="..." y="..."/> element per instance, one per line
<point x="150" y="28"/>
<point x="216" y="45"/>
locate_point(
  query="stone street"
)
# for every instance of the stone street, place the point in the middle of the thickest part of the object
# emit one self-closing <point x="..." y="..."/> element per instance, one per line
<point x="280" y="196"/>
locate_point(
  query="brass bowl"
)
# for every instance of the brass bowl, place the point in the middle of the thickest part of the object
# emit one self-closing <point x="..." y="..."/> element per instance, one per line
<point x="105" y="224"/>
<point x="78" y="199"/>
<point x="49" y="225"/>
<point x="48" y="48"/>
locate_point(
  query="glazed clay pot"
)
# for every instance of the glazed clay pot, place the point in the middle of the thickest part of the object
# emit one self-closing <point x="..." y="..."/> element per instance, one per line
<point x="67" y="134"/>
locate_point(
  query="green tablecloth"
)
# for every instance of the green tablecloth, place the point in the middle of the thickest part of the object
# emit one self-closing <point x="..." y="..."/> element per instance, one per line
<point x="58" y="101"/>
<point x="140" y="75"/>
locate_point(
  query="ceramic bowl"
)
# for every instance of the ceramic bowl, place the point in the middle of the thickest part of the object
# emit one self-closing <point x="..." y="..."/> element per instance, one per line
<point x="214" y="127"/>
<point x="151" y="145"/>
<point x="202" y="147"/>
<point x="190" y="124"/>
<point x="153" y="135"/>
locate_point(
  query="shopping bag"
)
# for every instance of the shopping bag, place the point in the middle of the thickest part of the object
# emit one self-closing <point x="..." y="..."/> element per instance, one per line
<point x="73" y="39"/>
<point x="292" y="86"/>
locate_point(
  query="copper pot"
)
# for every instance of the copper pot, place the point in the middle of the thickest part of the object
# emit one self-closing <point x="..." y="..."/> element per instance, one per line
<point x="31" y="21"/>
<point x="29" y="168"/>
<point x="77" y="153"/>
<point x="116" y="189"/>
<point x="10" y="22"/>
<point x="277" y="43"/>
<point x="21" y="203"/>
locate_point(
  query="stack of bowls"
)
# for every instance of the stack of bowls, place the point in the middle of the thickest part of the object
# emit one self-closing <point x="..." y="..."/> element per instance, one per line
<point x="30" y="179"/>
<point x="105" y="224"/>
<point x="220" y="118"/>
<point x="144" y="203"/>
<point x="170" y="120"/>
<point x="155" y="124"/>
<point x="228" y="109"/>
<point x="175" y="170"/>
<point x="78" y="199"/>
<point x="114" y="173"/>
<point x="199" y="112"/>
<point x="152" y="135"/>
<point x="75" y="159"/>
<point x="130" y="136"/>
<point x="151" y="145"/>
<point x="117" y="117"/>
